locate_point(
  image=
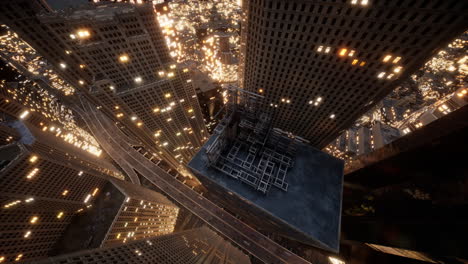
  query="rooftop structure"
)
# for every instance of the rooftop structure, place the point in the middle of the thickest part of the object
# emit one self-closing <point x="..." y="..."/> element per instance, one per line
<point x="255" y="154"/>
<point x="245" y="158"/>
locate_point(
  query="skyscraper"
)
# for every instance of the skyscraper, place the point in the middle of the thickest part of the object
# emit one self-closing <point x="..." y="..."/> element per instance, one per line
<point x="117" y="56"/>
<point x="48" y="196"/>
<point x="199" y="245"/>
<point x="326" y="63"/>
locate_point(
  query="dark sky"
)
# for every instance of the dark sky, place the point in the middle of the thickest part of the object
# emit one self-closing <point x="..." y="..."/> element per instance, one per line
<point x="60" y="4"/>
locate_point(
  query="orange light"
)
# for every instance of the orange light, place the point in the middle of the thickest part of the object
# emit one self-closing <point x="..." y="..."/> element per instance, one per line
<point x="33" y="219"/>
<point x="343" y="52"/>
<point x="123" y="58"/>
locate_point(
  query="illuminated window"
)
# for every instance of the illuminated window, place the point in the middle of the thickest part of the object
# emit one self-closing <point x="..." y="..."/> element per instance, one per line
<point x="138" y="79"/>
<point x="355" y="62"/>
<point x="332" y="116"/>
<point x="33" y="159"/>
<point x="397" y="69"/>
<point x="320" y="48"/>
<point x="139" y="124"/>
<point x="59" y="215"/>
<point x="81" y="82"/>
<point x="83" y="33"/>
<point x="34" y="219"/>
<point x="32" y="173"/>
<point x="173" y="66"/>
<point x="18" y="258"/>
<point x="24" y="114"/>
<point x="327" y="50"/>
<point x="95" y="191"/>
<point x="397" y="59"/>
<point x="381" y="75"/>
<point x="72" y="36"/>
<point x="190" y="110"/>
<point x="133" y="118"/>
<point x="387" y="58"/>
<point x="82" y="66"/>
<point x="168" y="95"/>
<point x="343" y="52"/>
<point x="351" y="53"/>
<point x="87" y="198"/>
<point x="171" y="74"/>
<point x="155" y="110"/>
<point x="362" y="63"/>
<point x="260" y="90"/>
<point x="123" y="58"/>
<point x="65" y="192"/>
<point x="27" y="234"/>
<point x="63" y="65"/>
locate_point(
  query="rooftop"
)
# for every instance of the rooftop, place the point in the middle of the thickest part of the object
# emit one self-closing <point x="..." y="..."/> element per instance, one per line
<point x="312" y="203"/>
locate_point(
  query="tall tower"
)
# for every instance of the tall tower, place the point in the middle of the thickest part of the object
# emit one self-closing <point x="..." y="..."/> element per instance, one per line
<point x="52" y="203"/>
<point x="320" y="65"/>
<point x="57" y="183"/>
<point x="117" y="57"/>
<point x="133" y="74"/>
<point x="199" y="245"/>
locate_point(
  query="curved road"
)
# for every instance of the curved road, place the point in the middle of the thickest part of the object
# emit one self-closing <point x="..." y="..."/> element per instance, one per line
<point x="113" y="141"/>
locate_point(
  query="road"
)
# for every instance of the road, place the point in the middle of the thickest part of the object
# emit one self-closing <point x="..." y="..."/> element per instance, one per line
<point x="114" y="142"/>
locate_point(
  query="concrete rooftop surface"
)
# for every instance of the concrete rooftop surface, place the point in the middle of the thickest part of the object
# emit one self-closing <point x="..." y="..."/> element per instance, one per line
<point x="312" y="203"/>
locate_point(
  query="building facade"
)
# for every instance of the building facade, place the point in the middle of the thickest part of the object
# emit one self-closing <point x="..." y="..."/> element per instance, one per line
<point x="50" y="198"/>
<point x="199" y="245"/>
<point x="117" y="57"/>
<point x="332" y="61"/>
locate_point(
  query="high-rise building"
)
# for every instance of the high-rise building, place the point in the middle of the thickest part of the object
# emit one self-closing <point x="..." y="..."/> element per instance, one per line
<point x="326" y="63"/>
<point x="117" y="56"/>
<point x="199" y="245"/>
<point x="363" y="140"/>
<point x="41" y="112"/>
<point x="49" y="195"/>
<point x="40" y="195"/>
<point x="383" y="134"/>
